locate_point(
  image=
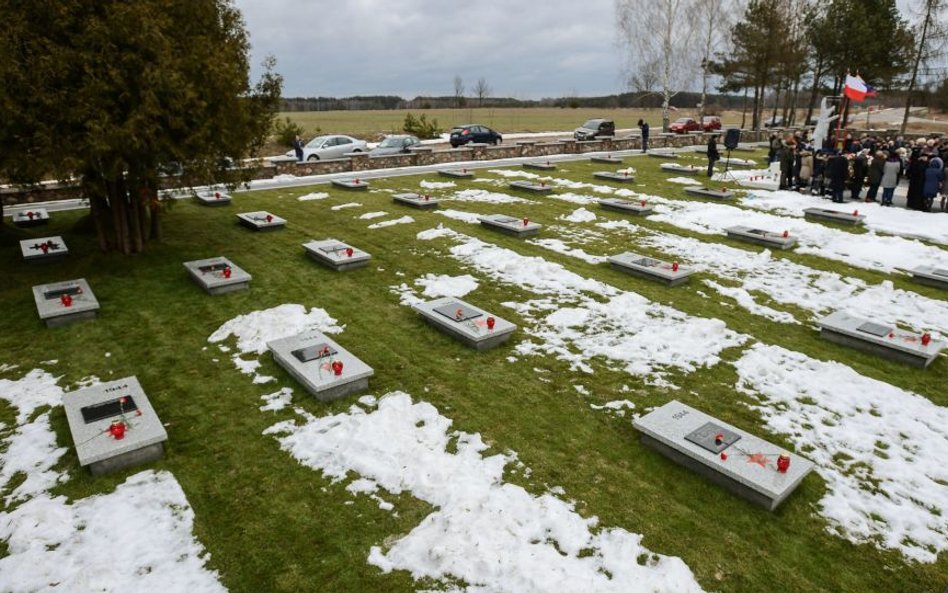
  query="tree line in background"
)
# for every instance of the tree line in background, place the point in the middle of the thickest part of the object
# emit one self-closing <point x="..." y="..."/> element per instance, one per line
<point x="782" y="55"/>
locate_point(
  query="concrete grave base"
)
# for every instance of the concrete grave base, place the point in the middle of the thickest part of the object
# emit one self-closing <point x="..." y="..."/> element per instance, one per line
<point x="24" y="219"/>
<point x="761" y="237"/>
<point x="314" y="372"/>
<point x="650" y="268"/>
<point x="541" y="166"/>
<point x="457" y="173"/>
<point x="663" y="155"/>
<point x="32" y="249"/>
<point x="821" y="214"/>
<point x="96" y="449"/>
<point x="707" y="192"/>
<point x="257" y="221"/>
<point x="626" y="206"/>
<point x="333" y="254"/>
<point x="614" y="176"/>
<point x="509" y="225"/>
<point x="416" y="201"/>
<point x="532" y="186"/>
<point x="352" y="184"/>
<point x="881" y="339"/>
<point x="610" y="160"/>
<point x="683" y="169"/>
<point x="471" y="329"/>
<point x="931" y="276"/>
<point x="691" y="438"/>
<point x="213" y="198"/>
<point x="55" y="313"/>
<point x="209" y="275"/>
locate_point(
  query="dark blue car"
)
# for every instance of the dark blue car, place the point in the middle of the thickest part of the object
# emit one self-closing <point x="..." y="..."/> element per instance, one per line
<point x="461" y="135"/>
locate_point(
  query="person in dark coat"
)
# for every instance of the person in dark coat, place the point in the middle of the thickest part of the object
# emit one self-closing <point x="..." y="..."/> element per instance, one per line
<point x="934" y="178"/>
<point x="713" y="154"/>
<point x="916" y="179"/>
<point x="860" y="169"/>
<point x="298" y="147"/>
<point x="785" y="155"/>
<point x="643" y="125"/>
<point x="876" y="168"/>
<point x="838" y="172"/>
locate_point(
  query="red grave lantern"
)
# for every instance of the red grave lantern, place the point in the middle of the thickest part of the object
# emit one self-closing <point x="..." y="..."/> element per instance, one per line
<point x="349" y="251"/>
<point x="117" y="430"/>
<point x="217" y="195"/>
<point x="427" y="197"/>
<point x="30" y="215"/>
<point x="642" y="202"/>
<point x="786" y="234"/>
<point x="855" y="212"/>
<point x="227" y="272"/>
<point x="66" y="300"/>
<point x="723" y="456"/>
<point x="269" y="218"/>
<point x="490" y="322"/>
<point x="674" y="266"/>
<point x="526" y="221"/>
<point x="356" y="181"/>
<point x="926" y="339"/>
<point x="783" y="463"/>
<point x="337" y="367"/>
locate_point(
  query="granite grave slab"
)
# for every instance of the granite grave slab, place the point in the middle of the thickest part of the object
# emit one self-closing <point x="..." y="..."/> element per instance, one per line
<point x="608" y="159"/>
<point x="217" y="275"/>
<point x="540" y="165"/>
<point x="931" y="276"/>
<point x="661" y="154"/>
<point x="638" y="208"/>
<point x="471" y="325"/>
<point x="62" y="303"/>
<point x="261" y="221"/>
<point x="213" y="198"/>
<point x="736" y="162"/>
<point x="822" y="214"/>
<point x="114" y="426"/>
<point x="422" y="202"/>
<point x="761" y="237"/>
<point x="709" y="192"/>
<point x="883" y="339"/>
<point x="337" y="255"/>
<point x="537" y="187"/>
<point x="669" y="273"/>
<point x="29" y="218"/>
<point x="354" y="184"/>
<point x="462" y="173"/>
<point x="742" y="463"/>
<point x="43" y="249"/>
<point x="517" y="227"/>
<point x="614" y="176"/>
<point x="683" y="169"/>
<point x="321" y="365"/>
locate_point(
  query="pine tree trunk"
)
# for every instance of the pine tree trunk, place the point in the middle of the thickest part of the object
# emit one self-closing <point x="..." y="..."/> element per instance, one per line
<point x="155" y="208"/>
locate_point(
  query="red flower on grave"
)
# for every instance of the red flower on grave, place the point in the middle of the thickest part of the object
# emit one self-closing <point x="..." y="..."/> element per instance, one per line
<point x="758" y="458"/>
<point x="123" y="400"/>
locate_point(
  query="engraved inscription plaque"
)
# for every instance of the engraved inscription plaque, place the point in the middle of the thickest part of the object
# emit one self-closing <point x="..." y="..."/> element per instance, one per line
<point x="451" y="310"/>
<point x="55" y="294"/>
<point x="108" y="409"/>
<point x="713" y="437"/>
<point x="314" y="352"/>
<point x="874" y="329"/>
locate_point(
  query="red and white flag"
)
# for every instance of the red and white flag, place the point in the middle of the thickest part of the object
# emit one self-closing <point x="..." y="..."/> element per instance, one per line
<point x="856" y="88"/>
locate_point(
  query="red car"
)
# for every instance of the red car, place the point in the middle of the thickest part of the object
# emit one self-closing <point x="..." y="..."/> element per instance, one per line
<point x="710" y="123"/>
<point x="683" y="125"/>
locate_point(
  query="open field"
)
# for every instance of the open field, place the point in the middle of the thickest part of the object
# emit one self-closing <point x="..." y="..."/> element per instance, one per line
<point x="273" y="524"/>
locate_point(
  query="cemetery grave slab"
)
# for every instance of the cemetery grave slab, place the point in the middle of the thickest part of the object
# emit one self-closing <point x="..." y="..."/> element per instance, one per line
<point x="540" y="165"/>
<point x="470" y="325"/>
<point x="114" y="426"/>
<point x="29" y="218"/>
<point x="43" y="249"/>
<point x="685" y="169"/>
<point x="931" y="276"/>
<point x="608" y="159"/>
<point x="456" y="173"/>
<point x="882" y="339"/>
<point x="728" y="456"/>
<point x="709" y="192"/>
<point x="662" y="154"/>
<point x="62" y="303"/>
<point x="537" y="187"/>
<point x="321" y="365"/>
<point x="353" y="184"/>
<point x="614" y="176"/>
<point x="761" y="237"/>
<point x="422" y="202"/>
<point x="735" y="162"/>
<point x="213" y="198"/>
<point x="833" y="216"/>
<point x="217" y="275"/>
<point x="639" y="208"/>
<point x="516" y="227"/>
<point x="651" y="268"/>
<point x="337" y="255"/>
<point x="261" y="221"/>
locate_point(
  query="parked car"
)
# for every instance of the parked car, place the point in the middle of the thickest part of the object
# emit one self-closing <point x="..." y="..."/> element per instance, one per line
<point x="461" y="135"/>
<point x="595" y="128"/>
<point x="710" y="123"/>
<point x="330" y="147"/>
<point x="683" y="125"/>
<point x="774" y="122"/>
<point x="395" y="145"/>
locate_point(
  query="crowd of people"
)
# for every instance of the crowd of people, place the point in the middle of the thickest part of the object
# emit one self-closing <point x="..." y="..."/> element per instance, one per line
<point x="864" y="166"/>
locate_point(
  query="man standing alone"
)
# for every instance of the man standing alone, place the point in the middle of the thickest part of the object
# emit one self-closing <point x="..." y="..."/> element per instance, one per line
<point x="643" y="125"/>
<point x="713" y="154"/>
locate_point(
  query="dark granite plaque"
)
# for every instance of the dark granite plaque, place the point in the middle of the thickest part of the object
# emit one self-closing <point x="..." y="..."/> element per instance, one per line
<point x="874" y="329"/>
<point x="108" y="409"/>
<point x="756" y="232"/>
<point x="647" y="262"/>
<point x="55" y="294"/>
<point x="506" y="219"/>
<point x="314" y="352"/>
<point x="213" y="267"/>
<point x="713" y="437"/>
<point x="334" y="249"/>
<point x="452" y="310"/>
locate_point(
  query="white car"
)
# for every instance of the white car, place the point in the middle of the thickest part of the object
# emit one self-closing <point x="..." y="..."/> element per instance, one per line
<point x="330" y="147"/>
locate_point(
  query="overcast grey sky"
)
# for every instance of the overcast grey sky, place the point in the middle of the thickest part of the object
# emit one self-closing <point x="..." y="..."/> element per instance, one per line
<point x="524" y="48"/>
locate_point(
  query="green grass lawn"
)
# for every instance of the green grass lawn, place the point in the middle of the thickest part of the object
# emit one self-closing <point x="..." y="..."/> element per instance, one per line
<point x="273" y="525"/>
